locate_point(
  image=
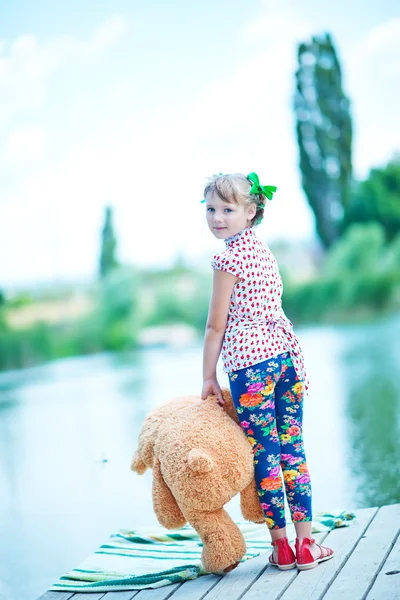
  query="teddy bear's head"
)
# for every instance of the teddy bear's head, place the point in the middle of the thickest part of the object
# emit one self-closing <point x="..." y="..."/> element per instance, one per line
<point x="203" y="455"/>
<point x="144" y="456"/>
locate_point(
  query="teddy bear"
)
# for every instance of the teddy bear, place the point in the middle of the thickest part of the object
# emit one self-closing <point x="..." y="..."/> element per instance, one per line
<point x="200" y="458"/>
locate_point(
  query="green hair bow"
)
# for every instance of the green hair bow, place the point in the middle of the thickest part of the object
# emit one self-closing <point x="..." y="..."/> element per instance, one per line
<point x="256" y="188"/>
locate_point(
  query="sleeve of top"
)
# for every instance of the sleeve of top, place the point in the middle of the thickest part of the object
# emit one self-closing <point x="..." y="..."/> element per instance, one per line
<point x="229" y="262"/>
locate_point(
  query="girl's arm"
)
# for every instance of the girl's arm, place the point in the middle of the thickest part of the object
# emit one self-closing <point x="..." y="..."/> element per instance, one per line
<point x="215" y="330"/>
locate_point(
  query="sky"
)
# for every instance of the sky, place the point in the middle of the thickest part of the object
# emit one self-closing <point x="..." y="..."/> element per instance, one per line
<point x="135" y="104"/>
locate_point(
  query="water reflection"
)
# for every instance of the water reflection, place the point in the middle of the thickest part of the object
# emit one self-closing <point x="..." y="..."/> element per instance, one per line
<point x="9" y="464"/>
<point x="373" y="406"/>
<point x="59" y="500"/>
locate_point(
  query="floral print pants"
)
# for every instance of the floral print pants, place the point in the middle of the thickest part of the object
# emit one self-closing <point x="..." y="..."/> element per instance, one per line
<point x="268" y="399"/>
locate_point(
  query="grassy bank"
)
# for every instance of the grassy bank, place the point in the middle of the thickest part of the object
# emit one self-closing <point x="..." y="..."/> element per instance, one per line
<point x="358" y="279"/>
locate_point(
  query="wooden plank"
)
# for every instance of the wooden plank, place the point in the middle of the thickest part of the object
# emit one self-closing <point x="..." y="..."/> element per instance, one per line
<point x="387" y="584"/>
<point x="195" y="589"/>
<point x="363" y="559"/>
<point x="360" y="571"/>
<point x="86" y="596"/>
<point x="270" y="583"/>
<point x="161" y="593"/>
<point x="57" y="596"/>
<point x="314" y="583"/>
<point x="273" y="582"/>
<point x="235" y="583"/>
<point x="125" y="595"/>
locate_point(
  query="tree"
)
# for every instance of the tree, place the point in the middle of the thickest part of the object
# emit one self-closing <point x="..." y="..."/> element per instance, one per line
<point x="378" y="199"/>
<point x="107" y="257"/>
<point x="324" y="135"/>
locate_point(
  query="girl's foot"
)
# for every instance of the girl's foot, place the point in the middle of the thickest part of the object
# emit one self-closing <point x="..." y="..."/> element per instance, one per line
<point x="282" y="556"/>
<point x="309" y="554"/>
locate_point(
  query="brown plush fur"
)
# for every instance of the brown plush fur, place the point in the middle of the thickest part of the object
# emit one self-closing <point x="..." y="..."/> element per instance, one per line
<point x="200" y="459"/>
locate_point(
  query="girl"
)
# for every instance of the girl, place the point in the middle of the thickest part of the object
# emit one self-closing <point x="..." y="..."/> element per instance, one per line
<point x="264" y="362"/>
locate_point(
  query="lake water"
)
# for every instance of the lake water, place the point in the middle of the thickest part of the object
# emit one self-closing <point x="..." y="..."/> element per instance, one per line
<point x="68" y="431"/>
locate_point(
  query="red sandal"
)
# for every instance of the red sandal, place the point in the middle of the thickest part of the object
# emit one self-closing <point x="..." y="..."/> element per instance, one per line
<point x="286" y="557"/>
<point x="304" y="557"/>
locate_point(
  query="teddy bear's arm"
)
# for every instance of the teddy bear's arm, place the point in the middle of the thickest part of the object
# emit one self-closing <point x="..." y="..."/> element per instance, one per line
<point x="166" y="508"/>
<point x="250" y="504"/>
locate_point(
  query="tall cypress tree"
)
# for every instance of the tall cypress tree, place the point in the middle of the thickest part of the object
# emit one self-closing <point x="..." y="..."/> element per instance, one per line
<point x="107" y="257"/>
<point x="324" y="135"/>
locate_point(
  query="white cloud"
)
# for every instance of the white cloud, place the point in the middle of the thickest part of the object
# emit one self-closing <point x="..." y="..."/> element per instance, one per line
<point x="257" y="96"/>
<point x="373" y="66"/>
<point x="26" y="68"/>
<point x="25" y="144"/>
<point x="110" y="32"/>
<point x="154" y="175"/>
<point x="268" y="27"/>
<point x="245" y="122"/>
<point x="380" y="45"/>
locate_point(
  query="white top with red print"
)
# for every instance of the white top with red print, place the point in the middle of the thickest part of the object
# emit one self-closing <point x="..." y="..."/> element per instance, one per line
<point x="257" y="329"/>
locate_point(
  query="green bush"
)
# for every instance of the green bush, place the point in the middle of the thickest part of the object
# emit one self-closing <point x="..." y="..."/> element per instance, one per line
<point x="174" y="306"/>
<point x="23" y="348"/>
<point x="360" y="275"/>
<point x="112" y="326"/>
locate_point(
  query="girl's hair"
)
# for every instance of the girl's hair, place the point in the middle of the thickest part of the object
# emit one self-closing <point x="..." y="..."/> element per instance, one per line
<point x="234" y="189"/>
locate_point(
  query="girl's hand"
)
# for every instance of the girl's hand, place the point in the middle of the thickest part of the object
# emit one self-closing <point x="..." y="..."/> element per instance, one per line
<point x="211" y="386"/>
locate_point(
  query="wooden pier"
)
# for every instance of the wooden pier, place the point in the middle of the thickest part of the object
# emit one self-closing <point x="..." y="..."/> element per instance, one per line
<point x="366" y="566"/>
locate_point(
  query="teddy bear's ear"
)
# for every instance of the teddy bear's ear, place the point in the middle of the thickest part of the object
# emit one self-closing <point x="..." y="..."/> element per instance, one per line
<point x="137" y="463"/>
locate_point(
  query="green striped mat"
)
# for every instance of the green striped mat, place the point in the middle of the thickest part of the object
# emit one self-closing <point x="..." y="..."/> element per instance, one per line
<point x="152" y="557"/>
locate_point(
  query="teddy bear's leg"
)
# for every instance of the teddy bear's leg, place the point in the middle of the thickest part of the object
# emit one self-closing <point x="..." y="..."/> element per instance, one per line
<point x="223" y="542"/>
<point x="250" y="503"/>
<point x="165" y="506"/>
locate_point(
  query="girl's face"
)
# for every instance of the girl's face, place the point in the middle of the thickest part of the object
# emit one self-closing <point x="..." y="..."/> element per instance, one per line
<point x="225" y="220"/>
